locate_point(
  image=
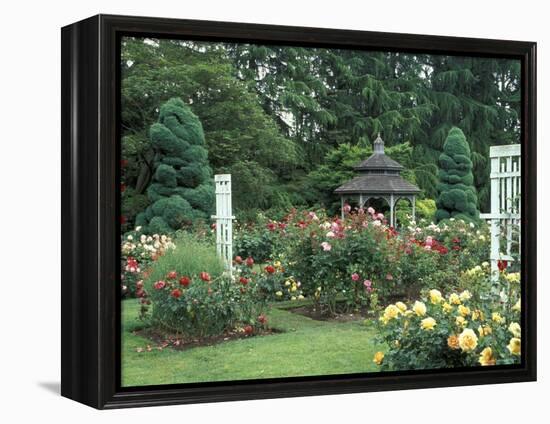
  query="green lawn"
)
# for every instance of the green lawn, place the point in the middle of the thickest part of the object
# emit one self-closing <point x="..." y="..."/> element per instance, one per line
<point x="306" y="347"/>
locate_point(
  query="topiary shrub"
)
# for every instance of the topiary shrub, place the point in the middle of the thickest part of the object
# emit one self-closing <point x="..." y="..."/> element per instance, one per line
<point x="457" y="194"/>
<point x="182" y="189"/>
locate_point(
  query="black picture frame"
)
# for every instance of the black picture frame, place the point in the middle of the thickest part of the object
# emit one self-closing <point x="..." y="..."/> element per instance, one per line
<point x="90" y="210"/>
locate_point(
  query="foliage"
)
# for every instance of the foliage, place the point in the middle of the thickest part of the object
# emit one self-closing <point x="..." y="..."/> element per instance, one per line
<point x="457" y="195"/>
<point x="190" y="294"/>
<point x="272" y="114"/>
<point x="462" y="329"/>
<point x="182" y="190"/>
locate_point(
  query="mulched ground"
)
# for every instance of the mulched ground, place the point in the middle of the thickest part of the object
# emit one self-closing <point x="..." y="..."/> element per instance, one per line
<point x="160" y="340"/>
<point x="311" y="312"/>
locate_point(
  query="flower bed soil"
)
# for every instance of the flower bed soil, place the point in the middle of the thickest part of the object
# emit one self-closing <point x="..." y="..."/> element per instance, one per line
<point x="161" y="340"/>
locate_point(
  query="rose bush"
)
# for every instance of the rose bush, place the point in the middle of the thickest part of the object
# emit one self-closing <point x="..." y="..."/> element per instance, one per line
<point x="189" y="293"/>
<point x="461" y="329"/>
<point x="323" y="253"/>
<point x="138" y="252"/>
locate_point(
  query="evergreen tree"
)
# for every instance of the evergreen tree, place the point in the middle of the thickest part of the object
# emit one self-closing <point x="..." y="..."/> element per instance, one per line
<point x="457" y="194"/>
<point x="182" y="189"/>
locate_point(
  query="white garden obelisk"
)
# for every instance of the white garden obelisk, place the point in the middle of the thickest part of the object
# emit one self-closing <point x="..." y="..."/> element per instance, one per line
<point x="224" y="219"/>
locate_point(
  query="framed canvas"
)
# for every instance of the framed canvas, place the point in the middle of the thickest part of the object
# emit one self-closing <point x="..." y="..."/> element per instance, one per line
<point x="255" y="211"/>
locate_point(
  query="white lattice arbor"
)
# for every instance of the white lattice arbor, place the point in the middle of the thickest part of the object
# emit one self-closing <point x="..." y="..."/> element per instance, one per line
<point x="224" y="219"/>
<point x="505" y="203"/>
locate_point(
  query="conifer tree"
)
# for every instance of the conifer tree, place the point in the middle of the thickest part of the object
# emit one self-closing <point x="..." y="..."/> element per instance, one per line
<point x="457" y="194"/>
<point x="182" y="189"/>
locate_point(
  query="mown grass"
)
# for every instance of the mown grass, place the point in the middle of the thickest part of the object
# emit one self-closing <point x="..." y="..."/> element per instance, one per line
<point x="305" y="347"/>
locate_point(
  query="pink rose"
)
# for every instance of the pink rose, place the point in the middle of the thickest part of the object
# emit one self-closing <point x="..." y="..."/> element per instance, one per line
<point x="159" y="285"/>
<point x="326" y="246"/>
<point x="355" y="276"/>
<point x="370" y="210"/>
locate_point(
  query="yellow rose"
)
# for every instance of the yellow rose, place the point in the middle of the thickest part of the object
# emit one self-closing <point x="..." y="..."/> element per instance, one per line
<point x="391" y="312"/>
<point x="512" y="277"/>
<point x="515" y="329"/>
<point x="484" y="331"/>
<point x="447" y="307"/>
<point x="463" y="310"/>
<point x="465" y="295"/>
<point x="435" y="296"/>
<point x="452" y="342"/>
<point x="515" y="346"/>
<point x="467" y="340"/>
<point x="300" y="297"/>
<point x="419" y="308"/>
<point x="428" y="323"/>
<point x="486" y="357"/>
<point x="378" y="358"/>
<point x="279" y="293"/>
<point x="454" y="299"/>
<point x="477" y="314"/>
<point x="517" y="306"/>
<point x="401" y="306"/>
<point x="460" y="321"/>
<point x="287" y="283"/>
<point x="496" y="317"/>
<point x="408" y="313"/>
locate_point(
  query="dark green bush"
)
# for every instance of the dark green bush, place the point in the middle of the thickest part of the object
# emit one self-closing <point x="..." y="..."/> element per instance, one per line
<point x="182" y="190"/>
<point x="457" y="194"/>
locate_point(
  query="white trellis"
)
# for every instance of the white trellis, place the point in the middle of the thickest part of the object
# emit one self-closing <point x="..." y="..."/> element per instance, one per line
<point x="224" y="219"/>
<point x="505" y="205"/>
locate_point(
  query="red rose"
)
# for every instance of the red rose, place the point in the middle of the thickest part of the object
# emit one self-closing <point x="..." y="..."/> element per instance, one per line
<point x="122" y="219"/>
<point x="176" y="293"/>
<point x="248" y="329"/>
<point x="456" y="247"/>
<point x="172" y="275"/>
<point x="502" y="265"/>
<point x="205" y="276"/>
<point x="140" y="293"/>
<point x="185" y="281"/>
<point x="243" y="280"/>
<point x="249" y="262"/>
<point x="262" y="319"/>
<point x="282" y="225"/>
<point x="238" y="260"/>
<point x="159" y="285"/>
<point x="270" y="269"/>
<point x="271" y="226"/>
<point x="456" y="240"/>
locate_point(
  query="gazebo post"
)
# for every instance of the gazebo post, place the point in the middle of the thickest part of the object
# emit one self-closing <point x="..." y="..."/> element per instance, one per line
<point x="391" y="211"/>
<point x="414" y="208"/>
<point x="342" y="206"/>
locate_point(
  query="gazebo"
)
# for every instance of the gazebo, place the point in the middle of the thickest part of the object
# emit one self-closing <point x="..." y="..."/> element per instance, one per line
<point x="379" y="177"/>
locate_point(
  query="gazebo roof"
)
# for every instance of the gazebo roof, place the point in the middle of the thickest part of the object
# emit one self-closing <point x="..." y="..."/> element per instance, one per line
<point x="379" y="174"/>
<point x="377" y="184"/>
<point x="378" y="161"/>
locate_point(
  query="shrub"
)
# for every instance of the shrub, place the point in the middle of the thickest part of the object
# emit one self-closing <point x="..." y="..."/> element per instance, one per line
<point x="462" y="329"/>
<point x="182" y="190"/>
<point x="457" y="194"/>
<point x="190" y="293"/>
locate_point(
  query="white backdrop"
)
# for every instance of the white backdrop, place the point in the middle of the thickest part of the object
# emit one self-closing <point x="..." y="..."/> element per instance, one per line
<point x="30" y="211"/>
